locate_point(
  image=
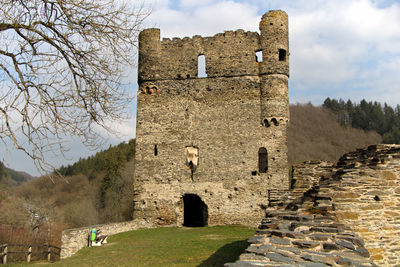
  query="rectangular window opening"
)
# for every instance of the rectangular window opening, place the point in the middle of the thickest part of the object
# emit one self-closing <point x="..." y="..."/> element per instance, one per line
<point x="201" y="66"/>
<point x="282" y="55"/>
<point x="259" y="56"/>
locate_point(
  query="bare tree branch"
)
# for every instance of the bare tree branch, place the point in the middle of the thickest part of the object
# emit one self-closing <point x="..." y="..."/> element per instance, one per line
<point x="61" y="66"/>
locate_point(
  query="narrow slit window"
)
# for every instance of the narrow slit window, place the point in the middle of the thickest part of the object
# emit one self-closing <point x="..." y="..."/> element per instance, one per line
<point x="262" y="160"/>
<point x="259" y="56"/>
<point x="282" y="55"/>
<point x="201" y="66"/>
<point x="155" y="150"/>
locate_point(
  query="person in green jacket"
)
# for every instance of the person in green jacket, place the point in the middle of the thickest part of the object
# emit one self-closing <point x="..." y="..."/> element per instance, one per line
<point x="96" y="238"/>
<point x="92" y="236"/>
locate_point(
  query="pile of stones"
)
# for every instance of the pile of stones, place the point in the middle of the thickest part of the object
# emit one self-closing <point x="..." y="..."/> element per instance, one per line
<point x="292" y="238"/>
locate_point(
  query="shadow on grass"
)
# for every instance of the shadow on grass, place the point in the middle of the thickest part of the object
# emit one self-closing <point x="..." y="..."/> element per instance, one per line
<point x="228" y="253"/>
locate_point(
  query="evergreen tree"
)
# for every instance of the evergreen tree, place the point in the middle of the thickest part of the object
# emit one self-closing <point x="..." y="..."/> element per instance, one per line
<point x="100" y="161"/>
<point x="368" y="116"/>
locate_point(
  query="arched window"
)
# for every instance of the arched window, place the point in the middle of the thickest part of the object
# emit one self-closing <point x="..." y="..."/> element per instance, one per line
<point x="262" y="160"/>
<point x="275" y="121"/>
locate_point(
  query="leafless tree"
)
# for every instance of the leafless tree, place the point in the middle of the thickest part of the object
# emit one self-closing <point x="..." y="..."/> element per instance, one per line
<point x="61" y="65"/>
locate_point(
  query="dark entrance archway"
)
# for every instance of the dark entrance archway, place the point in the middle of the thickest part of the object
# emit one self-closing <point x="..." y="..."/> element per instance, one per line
<point x="195" y="211"/>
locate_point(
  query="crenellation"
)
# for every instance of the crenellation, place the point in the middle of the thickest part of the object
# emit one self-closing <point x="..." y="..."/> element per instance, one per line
<point x="229" y="34"/>
<point x="229" y="54"/>
<point x="240" y="33"/>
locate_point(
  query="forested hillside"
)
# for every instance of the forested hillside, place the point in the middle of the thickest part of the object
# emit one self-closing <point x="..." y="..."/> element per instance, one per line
<point x="92" y="191"/>
<point x="368" y="116"/>
<point x="106" y="160"/>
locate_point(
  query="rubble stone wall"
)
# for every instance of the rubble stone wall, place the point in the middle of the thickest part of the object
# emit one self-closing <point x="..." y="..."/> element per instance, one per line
<point x="366" y="193"/>
<point x="309" y="173"/>
<point x="350" y="216"/>
<point x="73" y="240"/>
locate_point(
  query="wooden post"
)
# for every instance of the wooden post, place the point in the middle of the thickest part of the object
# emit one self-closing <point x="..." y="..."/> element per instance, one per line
<point x="5" y="254"/>
<point x="28" y="258"/>
<point x="49" y="253"/>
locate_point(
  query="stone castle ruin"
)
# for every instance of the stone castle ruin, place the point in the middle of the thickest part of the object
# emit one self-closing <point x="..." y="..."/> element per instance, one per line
<point x="211" y="150"/>
<point x="212" y="125"/>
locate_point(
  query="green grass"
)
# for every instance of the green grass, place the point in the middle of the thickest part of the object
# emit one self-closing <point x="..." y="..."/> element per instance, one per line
<point x="204" y="246"/>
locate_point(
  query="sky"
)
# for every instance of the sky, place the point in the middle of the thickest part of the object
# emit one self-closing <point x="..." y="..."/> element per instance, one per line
<point x="347" y="49"/>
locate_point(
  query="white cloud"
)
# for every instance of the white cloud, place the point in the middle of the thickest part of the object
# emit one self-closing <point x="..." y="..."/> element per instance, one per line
<point x="204" y="19"/>
<point x="345" y="43"/>
<point x="190" y="4"/>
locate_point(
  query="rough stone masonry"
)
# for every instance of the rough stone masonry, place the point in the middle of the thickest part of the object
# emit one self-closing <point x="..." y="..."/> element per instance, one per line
<point x="211" y="138"/>
<point x="346" y="214"/>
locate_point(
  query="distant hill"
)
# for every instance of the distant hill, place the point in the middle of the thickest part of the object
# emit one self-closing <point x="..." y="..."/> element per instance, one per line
<point x="94" y="190"/>
<point x="12" y="178"/>
<point x="314" y="133"/>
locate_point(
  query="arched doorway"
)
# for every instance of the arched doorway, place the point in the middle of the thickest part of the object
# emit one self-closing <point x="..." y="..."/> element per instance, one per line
<point x="195" y="211"/>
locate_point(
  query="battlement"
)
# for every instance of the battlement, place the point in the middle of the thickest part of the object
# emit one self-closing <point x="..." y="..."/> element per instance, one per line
<point x="228" y="54"/>
<point x="215" y="37"/>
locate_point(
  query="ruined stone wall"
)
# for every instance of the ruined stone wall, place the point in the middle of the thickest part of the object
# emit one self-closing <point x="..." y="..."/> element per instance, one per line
<point x="74" y="239"/>
<point x="227" y="54"/>
<point x="366" y="193"/>
<point x="226" y="117"/>
<point x="309" y="173"/>
<point x="351" y="216"/>
<point x="293" y="238"/>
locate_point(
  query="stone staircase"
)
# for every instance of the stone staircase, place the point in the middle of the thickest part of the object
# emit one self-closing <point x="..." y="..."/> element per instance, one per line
<point x="299" y="230"/>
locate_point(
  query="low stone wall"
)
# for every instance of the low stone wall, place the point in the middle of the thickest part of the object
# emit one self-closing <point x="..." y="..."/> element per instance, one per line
<point x="73" y="240"/>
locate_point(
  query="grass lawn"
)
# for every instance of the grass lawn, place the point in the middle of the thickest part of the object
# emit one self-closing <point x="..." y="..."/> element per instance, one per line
<point x="202" y="246"/>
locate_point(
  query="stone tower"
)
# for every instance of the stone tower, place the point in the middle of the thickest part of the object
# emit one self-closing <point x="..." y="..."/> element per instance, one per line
<point x="211" y="145"/>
